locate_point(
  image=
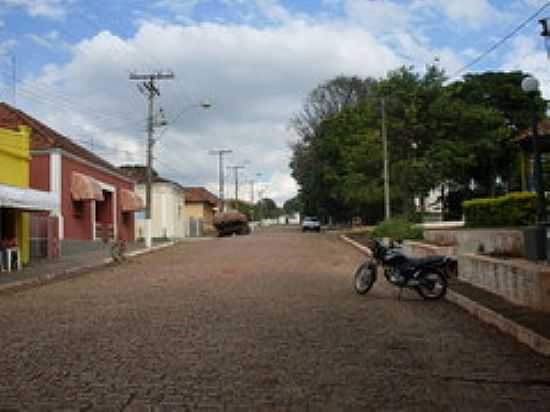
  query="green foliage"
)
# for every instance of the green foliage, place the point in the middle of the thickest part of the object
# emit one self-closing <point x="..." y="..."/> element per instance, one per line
<point x="268" y="209"/>
<point x="294" y="205"/>
<point x="513" y="209"/>
<point x="398" y="229"/>
<point x="437" y="135"/>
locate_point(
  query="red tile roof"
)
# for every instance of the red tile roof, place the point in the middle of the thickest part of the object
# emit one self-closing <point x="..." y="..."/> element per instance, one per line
<point x="45" y="138"/>
<point x="200" y="195"/>
<point x="543" y="129"/>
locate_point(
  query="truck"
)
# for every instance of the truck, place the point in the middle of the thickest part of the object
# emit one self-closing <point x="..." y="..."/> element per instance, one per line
<point x="229" y="223"/>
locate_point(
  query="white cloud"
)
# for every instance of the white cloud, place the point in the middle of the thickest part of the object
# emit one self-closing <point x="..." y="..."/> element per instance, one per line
<point x="7" y="46"/>
<point x="525" y="53"/>
<point x="40" y="8"/>
<point x="256" y="77"/>
<point x="473" y="13"/>
<point x="183" y="9"/>
<point x="51" y="40"/>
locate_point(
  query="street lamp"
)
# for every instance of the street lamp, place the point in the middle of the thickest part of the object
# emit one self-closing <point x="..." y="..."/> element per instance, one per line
<point x="530" y="85"/>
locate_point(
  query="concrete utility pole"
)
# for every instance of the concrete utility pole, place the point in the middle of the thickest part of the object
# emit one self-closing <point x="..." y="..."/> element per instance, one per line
<point x="236" y="175"/>
<point x="252" y="182"/>
<point x="386" y="161"/>
<point x="220" y="153"/>
<point x="150" y="88"/>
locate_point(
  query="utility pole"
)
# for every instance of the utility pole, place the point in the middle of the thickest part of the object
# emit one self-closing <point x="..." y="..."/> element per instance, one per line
<point x="252" y="182"/>
<point x="150" y="88"/>
<point x="236" y="175"/>
<point x="386" y="161"/>
<point x="220" y="153"/>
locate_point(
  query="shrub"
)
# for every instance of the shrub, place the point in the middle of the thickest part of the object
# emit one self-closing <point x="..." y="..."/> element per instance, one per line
<point x="397" y="228"/>
<point x="513" y="209"/>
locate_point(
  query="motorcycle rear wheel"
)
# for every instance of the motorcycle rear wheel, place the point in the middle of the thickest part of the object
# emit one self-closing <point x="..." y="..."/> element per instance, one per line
<point x="433" y="285"/>
<point x="364" y="278"/>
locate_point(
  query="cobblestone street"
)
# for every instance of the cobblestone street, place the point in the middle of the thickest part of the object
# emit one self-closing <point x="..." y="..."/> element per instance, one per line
<point x="262" y="322"/>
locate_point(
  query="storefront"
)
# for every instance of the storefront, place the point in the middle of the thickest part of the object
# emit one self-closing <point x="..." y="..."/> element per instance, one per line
<point x="16" y="206"/>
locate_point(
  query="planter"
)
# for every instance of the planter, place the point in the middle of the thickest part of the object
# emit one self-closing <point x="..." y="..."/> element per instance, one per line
<point x="509" y="241"/>
<point x="516" y="280"/>
<point x="422" y="249"/>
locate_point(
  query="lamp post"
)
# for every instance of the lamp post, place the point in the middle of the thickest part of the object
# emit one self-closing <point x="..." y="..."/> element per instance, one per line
<point x="530" y="85"/>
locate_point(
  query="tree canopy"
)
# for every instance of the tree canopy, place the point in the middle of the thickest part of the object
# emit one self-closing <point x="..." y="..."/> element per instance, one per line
<point x="457" y="134"/>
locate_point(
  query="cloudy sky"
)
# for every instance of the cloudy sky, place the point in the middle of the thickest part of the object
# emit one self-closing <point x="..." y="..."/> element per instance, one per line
<point x="255" y="60"/>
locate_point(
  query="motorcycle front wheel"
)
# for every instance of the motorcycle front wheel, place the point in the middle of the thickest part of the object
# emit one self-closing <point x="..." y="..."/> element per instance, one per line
<point x="432" y="285"/>
<point x="364" y="278"/>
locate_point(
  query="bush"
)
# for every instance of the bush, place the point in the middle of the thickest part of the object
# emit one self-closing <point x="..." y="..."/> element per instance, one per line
<point x="398" y="229"/>
<point x="513" y="209"/>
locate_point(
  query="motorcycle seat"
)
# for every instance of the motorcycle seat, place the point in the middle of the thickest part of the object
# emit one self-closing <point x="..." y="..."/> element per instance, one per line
<point x="428" y="261"/>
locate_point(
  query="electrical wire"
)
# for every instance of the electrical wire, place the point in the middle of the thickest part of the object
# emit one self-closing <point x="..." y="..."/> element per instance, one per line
<point x="503" y="40"/>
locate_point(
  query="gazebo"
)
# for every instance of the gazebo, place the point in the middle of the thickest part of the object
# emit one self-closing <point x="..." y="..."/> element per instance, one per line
<point x="525" y="141"/>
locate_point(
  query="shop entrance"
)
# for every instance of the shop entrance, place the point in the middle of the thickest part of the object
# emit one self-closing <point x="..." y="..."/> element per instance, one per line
<point x="104" y="217"/>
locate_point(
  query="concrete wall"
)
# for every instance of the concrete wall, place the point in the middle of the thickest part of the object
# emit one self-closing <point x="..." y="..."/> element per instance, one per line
<point x="421" y="249"/>
<point x="201" y="210"/>
<point x="518" y="281"/>
<point x="509" y="241"/>
<point x="168" y="211"/>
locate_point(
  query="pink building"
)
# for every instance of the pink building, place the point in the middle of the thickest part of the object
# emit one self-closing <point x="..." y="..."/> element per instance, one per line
<point x="96" y="199"/>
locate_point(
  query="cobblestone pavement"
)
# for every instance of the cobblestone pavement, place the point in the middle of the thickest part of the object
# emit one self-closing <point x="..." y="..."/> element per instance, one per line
<point x="263" y="322"/>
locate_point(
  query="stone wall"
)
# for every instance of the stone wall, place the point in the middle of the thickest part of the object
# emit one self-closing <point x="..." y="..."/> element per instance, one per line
<point x="422" y="249"/>
<point x="517" y="280"/>
<point x="502" y="241"/>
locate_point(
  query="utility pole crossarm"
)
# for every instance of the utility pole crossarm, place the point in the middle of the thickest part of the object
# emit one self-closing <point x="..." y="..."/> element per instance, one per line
<point x="152" y="76"/>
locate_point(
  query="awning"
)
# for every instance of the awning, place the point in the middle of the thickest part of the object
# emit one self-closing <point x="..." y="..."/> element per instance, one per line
<point x="27" y="199"/>
<point x="84" y="187"/>
<point x="130" y="201"/>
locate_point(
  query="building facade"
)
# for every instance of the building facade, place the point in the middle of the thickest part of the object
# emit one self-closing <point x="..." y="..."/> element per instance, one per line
<point x="92" y="195"/>
<point x="17" y="200"/>
<point x="201" y="204"/>
<point x="168" y="214"/>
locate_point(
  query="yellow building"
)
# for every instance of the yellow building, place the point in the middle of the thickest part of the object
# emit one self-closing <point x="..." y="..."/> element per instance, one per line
<point x="15" y="171"/>
<point x="16" y="199"/>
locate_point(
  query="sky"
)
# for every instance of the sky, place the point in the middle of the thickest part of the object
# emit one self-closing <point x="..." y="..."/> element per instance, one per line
<point x="255" y="61"/>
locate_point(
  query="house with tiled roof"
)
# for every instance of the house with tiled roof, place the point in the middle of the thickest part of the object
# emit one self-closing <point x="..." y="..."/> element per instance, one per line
<point x="95" y="199"/>
<point x="201" y="204"/>
<point x="168" y="218"/>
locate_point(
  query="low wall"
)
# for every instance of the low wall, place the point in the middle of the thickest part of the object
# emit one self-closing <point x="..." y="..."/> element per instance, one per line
<point x="509" y="241"/>
<point x="516" y="280"/>
<point x="422" y="249"/>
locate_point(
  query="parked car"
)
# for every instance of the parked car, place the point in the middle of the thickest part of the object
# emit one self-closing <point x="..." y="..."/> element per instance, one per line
<point x="311" y="223"/>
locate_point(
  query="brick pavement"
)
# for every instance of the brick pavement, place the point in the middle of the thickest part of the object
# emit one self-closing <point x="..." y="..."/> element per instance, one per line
<point x="262" y="322"/>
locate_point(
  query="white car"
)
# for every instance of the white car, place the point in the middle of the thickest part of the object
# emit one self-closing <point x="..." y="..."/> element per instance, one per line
<point x="311" y="223"/>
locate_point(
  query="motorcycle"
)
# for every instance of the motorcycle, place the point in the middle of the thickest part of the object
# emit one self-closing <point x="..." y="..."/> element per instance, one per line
<point x="428" y="276"/>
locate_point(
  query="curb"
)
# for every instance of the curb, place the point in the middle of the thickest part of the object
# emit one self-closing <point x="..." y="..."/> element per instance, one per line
<point x="528" y="337"/>
<point x="522" y="334"/>
<point x="73" y="272"/>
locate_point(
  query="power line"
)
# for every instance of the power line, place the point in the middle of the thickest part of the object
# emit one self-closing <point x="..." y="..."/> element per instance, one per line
<point x="502" y="40"/>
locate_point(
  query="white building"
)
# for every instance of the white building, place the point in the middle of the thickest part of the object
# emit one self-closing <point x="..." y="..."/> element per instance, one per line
<point x="168" y="218"/>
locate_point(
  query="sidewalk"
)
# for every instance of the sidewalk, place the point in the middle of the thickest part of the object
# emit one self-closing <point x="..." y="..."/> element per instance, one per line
<point x="44" y="271"/>
<point x="528" y="326"/>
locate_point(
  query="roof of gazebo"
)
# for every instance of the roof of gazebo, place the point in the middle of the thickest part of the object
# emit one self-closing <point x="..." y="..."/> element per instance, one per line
<point x="524" y="136"/>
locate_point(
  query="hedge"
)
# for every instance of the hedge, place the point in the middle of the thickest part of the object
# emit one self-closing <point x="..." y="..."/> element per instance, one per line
<point x="398" y="229"/>
<point x="513" y="209"/>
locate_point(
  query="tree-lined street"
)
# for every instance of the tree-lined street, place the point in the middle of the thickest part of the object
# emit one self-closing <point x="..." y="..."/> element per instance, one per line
<point x="262" y="322"/>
